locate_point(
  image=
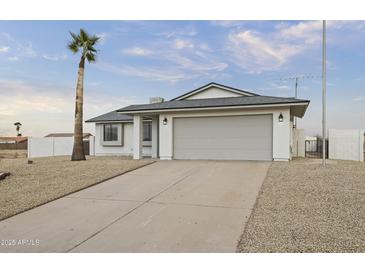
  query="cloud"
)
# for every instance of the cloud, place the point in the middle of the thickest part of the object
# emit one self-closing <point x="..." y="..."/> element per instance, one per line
<point x="137" y="51"/>
<point x="181" y="44"/>
<point x="4" y="49"/>
<point x="171" y="60"/>
<point x="205" y="47"/>
<point x="308" y="32"/>
<point x="13" y="58"/>
<point x="25" y="96"/>
<point x="44" y="108"/>
<point x="228" y="23"/>
<point x="55" y="58"/>
<point x="20" y="49"/>
<point x="168" y="74"/>
<point x="358" y="98"/>
<point x="272" y="50"/>
<point x="102" y="37"/>
<point x="251" y="51"/>
<point x="192" y="58"/>
<point x="188" y="31"/>
<point x="198" y="66"/>
<point x="26" y="50"/>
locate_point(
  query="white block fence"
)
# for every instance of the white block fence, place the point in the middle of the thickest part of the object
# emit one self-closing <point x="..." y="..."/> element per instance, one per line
<point x="346" y="144"/>
<point x="54" y="146"/>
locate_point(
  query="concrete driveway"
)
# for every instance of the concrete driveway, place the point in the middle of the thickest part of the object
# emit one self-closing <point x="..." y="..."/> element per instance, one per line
<point x="169" y="206"/>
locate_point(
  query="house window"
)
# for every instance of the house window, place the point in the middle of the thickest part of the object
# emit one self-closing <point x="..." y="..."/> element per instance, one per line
<point x="147" y="131"/>
<point x="110" y="132"/>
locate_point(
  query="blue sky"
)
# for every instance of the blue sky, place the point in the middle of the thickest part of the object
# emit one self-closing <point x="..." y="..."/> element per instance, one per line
<point x="142" y="59"/>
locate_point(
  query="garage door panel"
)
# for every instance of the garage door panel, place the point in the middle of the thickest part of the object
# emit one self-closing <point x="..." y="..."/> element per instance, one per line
<point x="250" y="143"/>
<point x="221" y="155"/>
<point x="233" y="137"/>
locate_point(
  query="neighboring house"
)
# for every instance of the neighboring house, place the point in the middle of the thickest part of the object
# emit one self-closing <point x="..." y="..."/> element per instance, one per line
<point x="211" y="122"/>
<point x="85" y="137"/>
<point x="16" y="142"/>
<point x="13" y="140"/>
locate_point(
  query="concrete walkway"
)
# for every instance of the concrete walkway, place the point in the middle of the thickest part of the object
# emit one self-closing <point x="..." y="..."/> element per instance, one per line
<point x="169" y="206"/>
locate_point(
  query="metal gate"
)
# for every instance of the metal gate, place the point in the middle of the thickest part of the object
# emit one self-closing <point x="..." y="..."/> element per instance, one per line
<point x="313" y="148"/>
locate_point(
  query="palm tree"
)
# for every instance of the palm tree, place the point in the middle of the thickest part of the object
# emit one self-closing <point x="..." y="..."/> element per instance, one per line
<point x="84" y="43"/>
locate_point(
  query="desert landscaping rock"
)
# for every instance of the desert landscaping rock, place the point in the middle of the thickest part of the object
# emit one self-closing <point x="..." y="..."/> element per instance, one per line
<point x="12" y="153"/>
<point x="3" y="175"/>
<point x="303" y="207"/>
<point x="53" y="177"/>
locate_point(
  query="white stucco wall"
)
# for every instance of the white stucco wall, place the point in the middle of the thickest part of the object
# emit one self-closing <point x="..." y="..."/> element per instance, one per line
<point x="281" y="131"/>
<point x="212" y="92"/>
<point x="53" y="146"/>
<point x="126" y="149"/>
<point x="346" y="144"/>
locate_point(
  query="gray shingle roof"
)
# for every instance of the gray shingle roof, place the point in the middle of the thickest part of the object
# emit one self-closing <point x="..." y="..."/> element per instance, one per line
<point x="110" y="117"/>
<point x="213" y="102"/>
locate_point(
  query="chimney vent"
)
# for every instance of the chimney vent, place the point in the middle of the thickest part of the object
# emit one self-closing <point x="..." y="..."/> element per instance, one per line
<point x="154" y="100"/>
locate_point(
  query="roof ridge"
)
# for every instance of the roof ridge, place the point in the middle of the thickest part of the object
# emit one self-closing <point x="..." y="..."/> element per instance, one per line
<point x="213" y="83"/>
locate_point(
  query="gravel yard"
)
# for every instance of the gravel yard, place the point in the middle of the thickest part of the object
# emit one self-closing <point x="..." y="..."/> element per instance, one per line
<point x="30" y="185"/>
<point x="303" y="207"/>
<point x="13" y="153"/>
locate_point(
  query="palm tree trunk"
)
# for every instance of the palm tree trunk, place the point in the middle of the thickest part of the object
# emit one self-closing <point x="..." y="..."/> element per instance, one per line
<point x="78" y="153"/>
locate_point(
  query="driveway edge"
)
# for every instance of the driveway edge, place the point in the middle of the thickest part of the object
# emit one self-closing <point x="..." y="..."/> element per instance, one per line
<point x="72" y="192"/>
<point x="252" y="211"/>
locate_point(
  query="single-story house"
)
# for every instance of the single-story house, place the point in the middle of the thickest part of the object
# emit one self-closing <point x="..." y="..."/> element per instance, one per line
<point x="13" y="140"/>
<point x="16" y="142"/>
<point x="211" y="122"/>
<point x="86" y="136"/>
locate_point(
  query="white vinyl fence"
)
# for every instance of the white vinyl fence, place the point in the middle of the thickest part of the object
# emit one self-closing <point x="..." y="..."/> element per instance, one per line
<point x="346" y="144"/>
<point x="54" y="146"/>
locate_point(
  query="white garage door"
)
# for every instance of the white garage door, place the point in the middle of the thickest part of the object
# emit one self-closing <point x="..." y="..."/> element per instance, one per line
<point x="246" y="137"/>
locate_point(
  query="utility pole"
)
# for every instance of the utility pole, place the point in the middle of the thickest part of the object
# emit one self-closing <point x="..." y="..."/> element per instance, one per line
<point x="324" y="94"/>
<point x="296" y="96"/>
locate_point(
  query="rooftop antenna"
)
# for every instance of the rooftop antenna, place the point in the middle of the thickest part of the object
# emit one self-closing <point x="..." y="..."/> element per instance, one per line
<point x="296" y="81"/>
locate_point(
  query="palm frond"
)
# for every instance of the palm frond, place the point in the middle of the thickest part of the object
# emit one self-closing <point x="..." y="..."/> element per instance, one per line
<point x="84" y="36"/>
<point x="90" y="57"/>
<point x="75" y="37"/>
<point x="92" y="49"/>
<point x="93" y="39"/>
<point x="74" y="47"/>
<point x="85" y="42"/>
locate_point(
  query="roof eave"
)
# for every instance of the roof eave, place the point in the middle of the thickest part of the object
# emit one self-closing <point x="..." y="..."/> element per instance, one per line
<point x="299" y="110"/>
<point x="109" y="121"/>
<point x="162" y="110"/>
